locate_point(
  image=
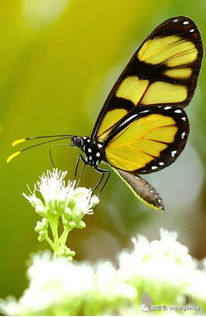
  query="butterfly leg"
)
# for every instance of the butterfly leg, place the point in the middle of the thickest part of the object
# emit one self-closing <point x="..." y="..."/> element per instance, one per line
<point x="103" y="172"/>
<point x="77" y="167"/>
<point x="81" y="174"/>
<point x="51" y="157"/>
<point x="50" y="152"/>
<point x="107" y="178"/>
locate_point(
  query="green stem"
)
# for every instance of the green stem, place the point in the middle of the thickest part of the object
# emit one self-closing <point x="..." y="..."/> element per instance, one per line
<point x="64" y="235"/>
<point x="52" y="245"/>
<point x="53" y="221"/>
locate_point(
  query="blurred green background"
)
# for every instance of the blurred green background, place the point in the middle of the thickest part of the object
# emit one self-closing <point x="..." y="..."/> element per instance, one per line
<point x="58" y="61"/>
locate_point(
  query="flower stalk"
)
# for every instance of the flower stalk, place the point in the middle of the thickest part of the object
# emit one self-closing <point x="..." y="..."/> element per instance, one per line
<point x="62" y="207"/>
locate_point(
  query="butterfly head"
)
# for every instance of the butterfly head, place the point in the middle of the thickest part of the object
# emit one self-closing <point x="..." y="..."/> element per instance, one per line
<point x="77" y="141"/>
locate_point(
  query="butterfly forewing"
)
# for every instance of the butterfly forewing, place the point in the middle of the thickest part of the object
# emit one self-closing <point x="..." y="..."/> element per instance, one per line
<point x="163" y="71"/>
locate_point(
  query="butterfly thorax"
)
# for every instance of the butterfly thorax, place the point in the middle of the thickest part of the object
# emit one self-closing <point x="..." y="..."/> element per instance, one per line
<point x="91" y="147"/>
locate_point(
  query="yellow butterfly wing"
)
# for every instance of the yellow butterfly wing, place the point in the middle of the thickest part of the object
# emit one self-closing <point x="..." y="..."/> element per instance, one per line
<point x="142" y="125"/>
<point x="147" y="140"/>
<point x="163" y="71"/>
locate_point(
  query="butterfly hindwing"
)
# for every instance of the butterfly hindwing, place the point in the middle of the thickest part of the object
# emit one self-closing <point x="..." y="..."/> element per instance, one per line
<point x="147" y="139"/>
<point x="163" y="71"/>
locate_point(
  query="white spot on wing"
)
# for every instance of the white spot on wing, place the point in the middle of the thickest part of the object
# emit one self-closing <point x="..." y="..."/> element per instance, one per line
<point x="173" y="153"/>
<point x="89" y="150"/>
<point x="154" y="167"/>
<point x="98" y="154"/>
<point x="192" y="30"/>
<point x="183" y="135"/>
<point x="90" y="158"/>
<point x="161" y="163"/>
<point x="175" y="20"/>
<point x="186" y="22"/>
<point x="99" y="145"/>
<point x="178" y="111"/>
<point x="88" y="140"/>
<point x="184" y="118"/>
<point x="167" y="107"/>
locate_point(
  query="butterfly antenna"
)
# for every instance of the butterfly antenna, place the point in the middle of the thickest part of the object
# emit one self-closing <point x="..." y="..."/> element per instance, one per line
<point x="16" y="142"/>
<point x="63" y="137"/>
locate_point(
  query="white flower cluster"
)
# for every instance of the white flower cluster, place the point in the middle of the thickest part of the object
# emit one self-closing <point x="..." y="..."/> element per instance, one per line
<point x="60" y="205"/>
<point x="162" y="270"/>
<point x="166" y="261"/>
<point x="58" y="286"/>
<point x="57" y="195"/>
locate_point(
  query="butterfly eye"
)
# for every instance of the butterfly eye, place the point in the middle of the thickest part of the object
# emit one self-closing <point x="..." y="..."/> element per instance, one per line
<point x="77" y="141"/>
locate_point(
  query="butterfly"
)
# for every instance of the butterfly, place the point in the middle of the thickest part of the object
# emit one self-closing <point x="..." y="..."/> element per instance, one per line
<point x="142" y="127"/>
